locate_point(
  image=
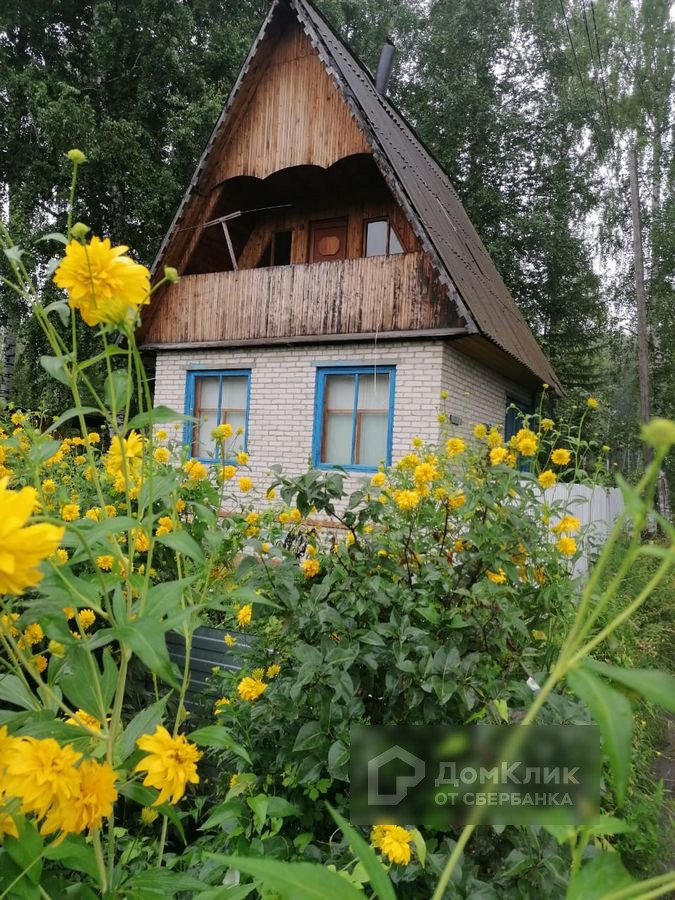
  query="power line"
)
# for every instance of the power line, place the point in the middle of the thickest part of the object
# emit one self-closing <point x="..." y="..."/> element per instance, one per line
<point x="595" y="74"/>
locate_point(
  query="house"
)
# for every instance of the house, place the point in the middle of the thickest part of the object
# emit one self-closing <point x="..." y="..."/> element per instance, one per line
<point x="332" y="284"/>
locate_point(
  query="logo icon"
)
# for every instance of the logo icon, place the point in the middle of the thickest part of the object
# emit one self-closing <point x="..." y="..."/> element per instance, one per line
<point x="403" y="782"/>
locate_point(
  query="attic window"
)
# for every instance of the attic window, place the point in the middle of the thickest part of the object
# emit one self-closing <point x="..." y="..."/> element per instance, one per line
<point x="277" y="251"/>
<point x="381" y="239"/>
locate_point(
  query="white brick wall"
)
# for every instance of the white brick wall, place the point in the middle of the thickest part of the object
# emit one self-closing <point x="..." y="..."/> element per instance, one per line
<point x="283" y="383"/>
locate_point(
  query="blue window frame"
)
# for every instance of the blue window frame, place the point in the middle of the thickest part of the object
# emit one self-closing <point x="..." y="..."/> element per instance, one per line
<point x="353" y="417"/>
<point x="216" y="397"/>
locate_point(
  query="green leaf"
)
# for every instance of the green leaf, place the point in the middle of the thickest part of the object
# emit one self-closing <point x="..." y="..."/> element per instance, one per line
<point x="162" y="882"/>
<point x="182" y="542"/>
<point x="74" y="853"/>
<point x="420" y="846"/>
<point x="309" y="737"/>
<point x="71" y="414"/>
<point x="295" y="881"/>
<point x="160" y="415"/>
<point x="259" y="806"/>
<point x="612" y="711"/>
<point x="117" y="386"/>
<point x="56" y="367"/>
<point x="659" y="687"/>
<point x="379" y="880"/>
<point x="26" y="849"/>
<point x="602" y="875"/>
<point x="219" y="738"/>
<point x="13" y="690"/>
<point x="80" y="681"/>
<point x="278" y="808"/>
<point x="146" y="639"/>
<point x="164" y="599"/>
<point x="53" y="236"/>
<point x="143" y="722"/>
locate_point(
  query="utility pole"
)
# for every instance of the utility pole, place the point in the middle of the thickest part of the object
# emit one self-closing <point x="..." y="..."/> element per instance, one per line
<point x="638" y="263"/>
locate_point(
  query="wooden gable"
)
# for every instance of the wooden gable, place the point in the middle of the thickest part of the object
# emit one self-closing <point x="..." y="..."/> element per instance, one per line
<point x="296" y="116"/>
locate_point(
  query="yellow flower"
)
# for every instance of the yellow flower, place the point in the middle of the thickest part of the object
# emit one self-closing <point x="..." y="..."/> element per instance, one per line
<point x="498" y="577"/>
<point x="393" y="841"/>
<point x="456" y="500"/>
<point x="233" y="780"/>
<point x="61" y="556"/>
<point x="195" y="470"/>
<point x="94" y="514"/>
<point x="180" y="505"/>
<point x="86" y="618"/>
<point x="566" y="546"/>
<point x="22" y="547"/>
<point x="129" y="450"/>
<point x="245" y="484"/>
<point x="221" y="432"/>
<point x="229" y="640"/>
<point x="105" y="562"/>
<point x="165" y="525"/>
<point x="444" y="395"/>
<point x="33" y="634"/>
<point x="251" y="688"/>
<point x="171" y="764"/>
<point x="547" y="478"/>
<point x="161" y="455"/>
<point x="92" y="801"/>
<point x="7" y="826"/>
<point x="242" y="458"/>
<point x="379" y="479"/>
<point x="424" y="473"/>
<point x="605" y="448"/>
<point x="40" y="662"/>
<point x="525" y="442"/>
<point x="480" y="431"/>
<point x="454" y="447"/>
<point x="567" y="525"/>
<point x="406" y="500"/>
<point x="442" y="418"/>
<point x="494" y="438"/>
<point x="547" y="424"/>
<point x="271" y="493"/>
<point x="70" y="512"/>
<point x="48" y="486"/>
<point x="417" y="442"/>
<point x="409" y="461"/>
<point x="101" y="281"/>
<point x="161" y="434"/>
<point x="273" y="671"/>
<point x="69" y="612"/>
<point x="310" y="567"/>
<point x="560" y="457"/>
<point x="459" y="546"/>
<point x="94" y="437"/>
<point x="18" y="418"/>
<point x="82" y="717"/>
<point x="244" y="615"/>
<point x="592" y="403"/>
<point x="41" y="773"/>
<point x="498" y="455"/>
<point x="227" y="473"/>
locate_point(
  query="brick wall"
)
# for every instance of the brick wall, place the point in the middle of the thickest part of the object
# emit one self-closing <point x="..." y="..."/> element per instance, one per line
<point x="283" y="383"/>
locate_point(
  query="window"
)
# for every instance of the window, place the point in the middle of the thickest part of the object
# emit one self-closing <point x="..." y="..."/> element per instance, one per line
<point x="354" y="416"/>
<point x="380" y="239"/>
<point x="277" y="250"/>
<point x="516" y="411"/>
<point x="217" y="398"/>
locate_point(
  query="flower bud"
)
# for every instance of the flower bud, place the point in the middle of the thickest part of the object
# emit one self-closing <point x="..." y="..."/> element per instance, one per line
<point x="171" y="274"/>
<point x="659" y="432"/>
<point x="76" y="156"/>
<point x="79" y="231"/>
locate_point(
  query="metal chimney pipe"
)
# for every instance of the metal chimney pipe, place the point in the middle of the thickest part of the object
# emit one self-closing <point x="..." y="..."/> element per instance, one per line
<point x="384" y="67"/>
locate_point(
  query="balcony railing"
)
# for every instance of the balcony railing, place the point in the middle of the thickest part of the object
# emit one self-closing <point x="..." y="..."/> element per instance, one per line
<point x="355" y="296"/>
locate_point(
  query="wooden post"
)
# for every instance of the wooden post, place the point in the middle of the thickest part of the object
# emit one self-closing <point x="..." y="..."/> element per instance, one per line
<point x="638" y="262"/>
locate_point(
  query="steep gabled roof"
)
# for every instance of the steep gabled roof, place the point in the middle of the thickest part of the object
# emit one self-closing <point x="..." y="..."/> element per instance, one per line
<point x="422" y="189"/>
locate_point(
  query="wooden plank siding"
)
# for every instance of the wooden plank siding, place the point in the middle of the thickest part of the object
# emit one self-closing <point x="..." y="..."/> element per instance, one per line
<point x="376" y="294"/>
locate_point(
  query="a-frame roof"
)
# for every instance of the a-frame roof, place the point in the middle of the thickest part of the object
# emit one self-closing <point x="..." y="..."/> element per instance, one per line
<point x="420" y="186"/>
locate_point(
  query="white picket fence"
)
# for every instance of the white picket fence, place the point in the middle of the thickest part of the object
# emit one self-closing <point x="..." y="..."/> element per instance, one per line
<point x="597" y="509"/>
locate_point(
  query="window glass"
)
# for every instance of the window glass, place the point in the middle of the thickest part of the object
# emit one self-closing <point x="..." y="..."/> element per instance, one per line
<point x="376" y="237"/>
<point x="282" y="248"/>
<point x="395" y="245"/>
<point x="218" y="399"/>
<point x="354" y="418"/>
